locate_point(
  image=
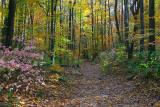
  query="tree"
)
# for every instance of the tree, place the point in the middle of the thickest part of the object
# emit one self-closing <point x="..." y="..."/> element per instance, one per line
<point x="116" y="20"/>
<point x="142" y="25"/>
<point x="80" y="30"/>
<point x="53" y="21"/>
<point x="93" y="29"/>
<point x="122" y="20"/>
<point x="135" y="11"/>
<point x="110" y="36"/>
<point x="71" y="36"/>
<point x="151" y="47"/>
<point x="126" y="24"/>
<point x="10" y="23"/>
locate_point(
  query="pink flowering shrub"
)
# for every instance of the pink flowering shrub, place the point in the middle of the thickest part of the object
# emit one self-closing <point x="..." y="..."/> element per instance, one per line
<point x="18" y="59"/>
<point x="18" y="69"/>
<point x="12" y="65"/>
<point x="19" y="53"/>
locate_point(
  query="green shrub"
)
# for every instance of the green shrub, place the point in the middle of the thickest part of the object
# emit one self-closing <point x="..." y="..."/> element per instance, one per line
<point x="46" y="62"/>
<point x="109" y="59"/>
<point x="144" y="67"/>
<point x="138" y="65"/>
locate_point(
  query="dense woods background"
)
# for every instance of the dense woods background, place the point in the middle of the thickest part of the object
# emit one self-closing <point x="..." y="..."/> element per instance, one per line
<point x="62" y="33"/>
<point x="62" y="26"/>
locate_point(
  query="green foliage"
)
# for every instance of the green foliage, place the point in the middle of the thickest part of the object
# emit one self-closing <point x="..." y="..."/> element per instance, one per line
<point x="46" y="61"/>
<point x="12" y="101"/>
<point x="10" y="96"/>
<point x="109" y="59"/>
<point x="144" y="67"/>
<point x="3" y="71"/>
<point x="105" y="62"/>
<point x="78" y="62"/>
<point x="56" y="69"/>
<point x="1" y="91"/>
<point x="139" y="65"/>
<point x="62" y="79"/>
<point x="120" y="55"/>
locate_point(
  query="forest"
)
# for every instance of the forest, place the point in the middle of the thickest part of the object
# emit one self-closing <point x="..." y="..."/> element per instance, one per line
<point x="79" y="53"/>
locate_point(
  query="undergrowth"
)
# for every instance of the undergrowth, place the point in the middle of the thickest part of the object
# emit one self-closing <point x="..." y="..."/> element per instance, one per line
<point x="139" y="65"/>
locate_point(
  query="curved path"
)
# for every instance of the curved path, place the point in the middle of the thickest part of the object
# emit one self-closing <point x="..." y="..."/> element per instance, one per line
<point x="92" y="89"/>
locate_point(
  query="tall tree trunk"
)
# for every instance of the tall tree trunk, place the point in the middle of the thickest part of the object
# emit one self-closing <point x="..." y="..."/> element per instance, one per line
<point x="61" y="30"/>
<point x="126" y="24"/>
<point x="142" y="25"/>
<point x="24" y="26"/>
<point x="101" y="32"/>
<point x="116" y="20"/>
<point x="53" y="18"/>
<point x="151" y="47"/>
<point x="135" y="11"/>
<point x="80" y="35"/>
<point x="73" y="25"/>
<point x="47" y="38"/>
<point x="93" y="24"/>
<point x="122" y="20"/>
<point x="105" y="25"/>
<point x="31" y="13"/>
<point x="10" y="23"/>
<point x="97" y="31"/>
<point x="110" y="25"/>
<point x="2" y="17"/>
<point x="70" y="25"/>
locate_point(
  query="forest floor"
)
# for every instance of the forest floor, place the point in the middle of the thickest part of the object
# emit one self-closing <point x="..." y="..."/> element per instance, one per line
<point x="88" y="87"/>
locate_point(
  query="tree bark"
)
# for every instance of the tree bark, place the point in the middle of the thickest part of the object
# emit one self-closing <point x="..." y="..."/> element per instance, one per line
<point x="53" y="20"/>
<point x="116" y="20"/>
<point x="142" y="25"/>
<point x="10" y="23"/>
<point x="126" y="24"/>
<point x="151" y="47"/>
<point x="135" y="11"/>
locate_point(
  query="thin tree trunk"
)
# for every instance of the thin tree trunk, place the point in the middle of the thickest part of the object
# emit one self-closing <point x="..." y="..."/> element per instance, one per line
<point x="73" y="25"/>
<point x="126" y="24"/>
<point x="116" y="20"/>
<point x="70" y="25"/>
<point x="151" y="47"/>
<point x="110" y="26"/>
<point x="105" y="25"/>
<point x="101" y="32"/>
<point x="80" y="35"/>
<point x="92" y="39"/>
<point x="142" y="25"/>
<point x="122" y="20"/>
<point x="53" y="18"/>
